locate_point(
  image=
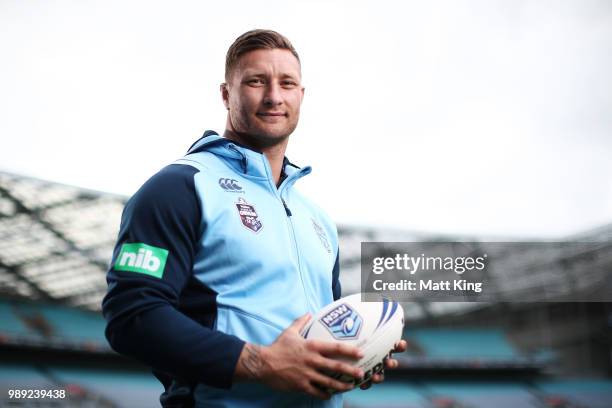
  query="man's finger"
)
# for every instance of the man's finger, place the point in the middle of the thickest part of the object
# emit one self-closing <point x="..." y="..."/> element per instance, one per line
<point x="331" y="349"/>
<point x="317" y="392"/>
<point x="391" y="363"/>
<point x="299" y="323"/>
<point x="335" y="366"/>
<point x="401" y="346"/>
<point x="366" y="385"/>
<point x="378" y="378"/>
<point x="327" y="382"/>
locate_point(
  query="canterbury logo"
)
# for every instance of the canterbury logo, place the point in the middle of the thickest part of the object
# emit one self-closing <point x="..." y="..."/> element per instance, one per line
<point x="229" y="184"/>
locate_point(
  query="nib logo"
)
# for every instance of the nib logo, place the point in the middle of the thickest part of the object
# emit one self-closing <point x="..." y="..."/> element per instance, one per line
<point x="142" y="258"/>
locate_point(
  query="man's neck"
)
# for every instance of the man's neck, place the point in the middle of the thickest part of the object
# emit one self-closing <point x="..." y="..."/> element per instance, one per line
<point x="275" y="154"/>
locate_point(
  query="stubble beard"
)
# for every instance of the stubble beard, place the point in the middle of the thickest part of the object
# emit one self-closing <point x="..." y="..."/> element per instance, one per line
<point x="252" y="135"/>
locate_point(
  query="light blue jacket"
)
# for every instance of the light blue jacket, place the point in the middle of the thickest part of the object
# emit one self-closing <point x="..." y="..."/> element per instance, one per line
<point x="253" y="259"/>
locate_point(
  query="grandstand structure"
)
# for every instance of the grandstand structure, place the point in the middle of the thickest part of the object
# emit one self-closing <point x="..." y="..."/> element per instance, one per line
<point x="56" y="242"/>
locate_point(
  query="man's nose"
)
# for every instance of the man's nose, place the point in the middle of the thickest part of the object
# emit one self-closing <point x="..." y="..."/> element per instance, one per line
<point x="273" y="97"/>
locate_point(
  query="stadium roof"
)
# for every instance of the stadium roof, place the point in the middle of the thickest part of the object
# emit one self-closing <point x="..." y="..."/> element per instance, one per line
<point x="56" y="242"/>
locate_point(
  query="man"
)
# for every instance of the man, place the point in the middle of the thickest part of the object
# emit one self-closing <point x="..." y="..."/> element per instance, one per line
<point x="218" y="255"/>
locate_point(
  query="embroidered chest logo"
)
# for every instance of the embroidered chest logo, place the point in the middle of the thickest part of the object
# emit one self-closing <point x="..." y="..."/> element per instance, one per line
<point x="322" y="236"/>
<point x="248" y="215"/>
<point x="230" y="185"/>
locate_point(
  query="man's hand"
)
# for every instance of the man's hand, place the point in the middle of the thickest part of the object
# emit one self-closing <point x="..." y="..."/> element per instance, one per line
<point x="390" y="363"/>
<point x="293" y="363"/>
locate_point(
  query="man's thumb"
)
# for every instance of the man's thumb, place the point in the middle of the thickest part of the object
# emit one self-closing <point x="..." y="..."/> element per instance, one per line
<point x="299" y="323"/>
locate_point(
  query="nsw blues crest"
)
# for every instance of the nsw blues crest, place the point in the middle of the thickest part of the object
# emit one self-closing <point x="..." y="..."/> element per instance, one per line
<point x="343" y="322"/>
<point x="248" y="215"/>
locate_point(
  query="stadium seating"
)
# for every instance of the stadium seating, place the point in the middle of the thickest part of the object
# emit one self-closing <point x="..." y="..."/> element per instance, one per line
<point x="386" y="396"/>
<point x="20" y="377"/>
<point x="14" y="329"/>
<point x="48" y="325"/>
<point x="123" y="389"/>
<point x="94" y="388"/>
<point x="76" y="324"/>
<point x="592" y="393"/>
<point x="483" y="394"/>
<point x="461" y="344"/>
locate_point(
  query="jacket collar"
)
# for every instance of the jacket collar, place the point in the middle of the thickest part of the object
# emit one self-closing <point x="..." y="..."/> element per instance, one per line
<point x="244" y="159"/>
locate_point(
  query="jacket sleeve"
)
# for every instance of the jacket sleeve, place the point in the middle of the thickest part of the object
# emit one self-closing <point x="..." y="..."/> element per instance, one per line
<point x="336" y="288"/>
<point x="152" y="262"/>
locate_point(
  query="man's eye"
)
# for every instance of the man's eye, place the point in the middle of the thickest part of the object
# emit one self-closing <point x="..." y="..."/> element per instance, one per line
<point x="255" y="81"/>
<point x="289" y="84"/>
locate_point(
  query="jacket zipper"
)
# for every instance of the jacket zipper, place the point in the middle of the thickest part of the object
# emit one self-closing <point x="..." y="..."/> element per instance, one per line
<point x="287" y="210"/>
<point x="297" y="254"/>
<point x="278" y="192"/>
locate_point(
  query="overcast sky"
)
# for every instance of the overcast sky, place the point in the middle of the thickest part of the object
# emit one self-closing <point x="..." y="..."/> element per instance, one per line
<point x="483" y="117"/>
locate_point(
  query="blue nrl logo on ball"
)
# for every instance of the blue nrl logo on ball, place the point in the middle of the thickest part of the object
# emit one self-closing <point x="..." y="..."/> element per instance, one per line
<point x="343" y="322"/>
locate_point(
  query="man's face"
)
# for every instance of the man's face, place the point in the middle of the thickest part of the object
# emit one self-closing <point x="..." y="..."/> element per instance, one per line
<point x="264" y="94"/>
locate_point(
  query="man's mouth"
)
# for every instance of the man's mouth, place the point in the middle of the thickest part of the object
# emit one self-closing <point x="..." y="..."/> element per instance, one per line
<point x="271" y="114"/>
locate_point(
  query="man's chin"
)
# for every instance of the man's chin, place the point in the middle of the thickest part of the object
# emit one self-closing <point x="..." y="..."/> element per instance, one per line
<point x="261" y="137"/>
<point x="269" y="140"/>
<point x="270" y="137"/>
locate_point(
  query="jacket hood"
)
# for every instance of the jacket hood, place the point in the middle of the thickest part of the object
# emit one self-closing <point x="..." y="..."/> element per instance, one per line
<point x="249" y="161"/>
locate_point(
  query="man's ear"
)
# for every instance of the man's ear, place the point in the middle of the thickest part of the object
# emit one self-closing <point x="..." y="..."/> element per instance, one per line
<point x="224" y="94"/>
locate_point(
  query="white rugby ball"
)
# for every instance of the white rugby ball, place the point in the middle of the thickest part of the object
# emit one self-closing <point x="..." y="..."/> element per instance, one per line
<point x="373" y="327"/>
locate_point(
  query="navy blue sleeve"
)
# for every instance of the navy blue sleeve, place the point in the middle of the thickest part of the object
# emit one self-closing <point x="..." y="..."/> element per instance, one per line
<point x="336" y="289"/>
<point x="152" y="264"/>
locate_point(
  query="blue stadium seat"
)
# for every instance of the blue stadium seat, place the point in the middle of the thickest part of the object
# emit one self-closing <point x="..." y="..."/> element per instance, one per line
<point x="463" y="344"/>
<point x="12" y="328"/>
<point x="129" y="390"/>
<point x="483" y="395"/>
<point x="63" y="325"/>
<point x="76" y="324"/>
<point x="386" y="395"/>
<point x="593" y="393"/>
<point x="21" y="377"/>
